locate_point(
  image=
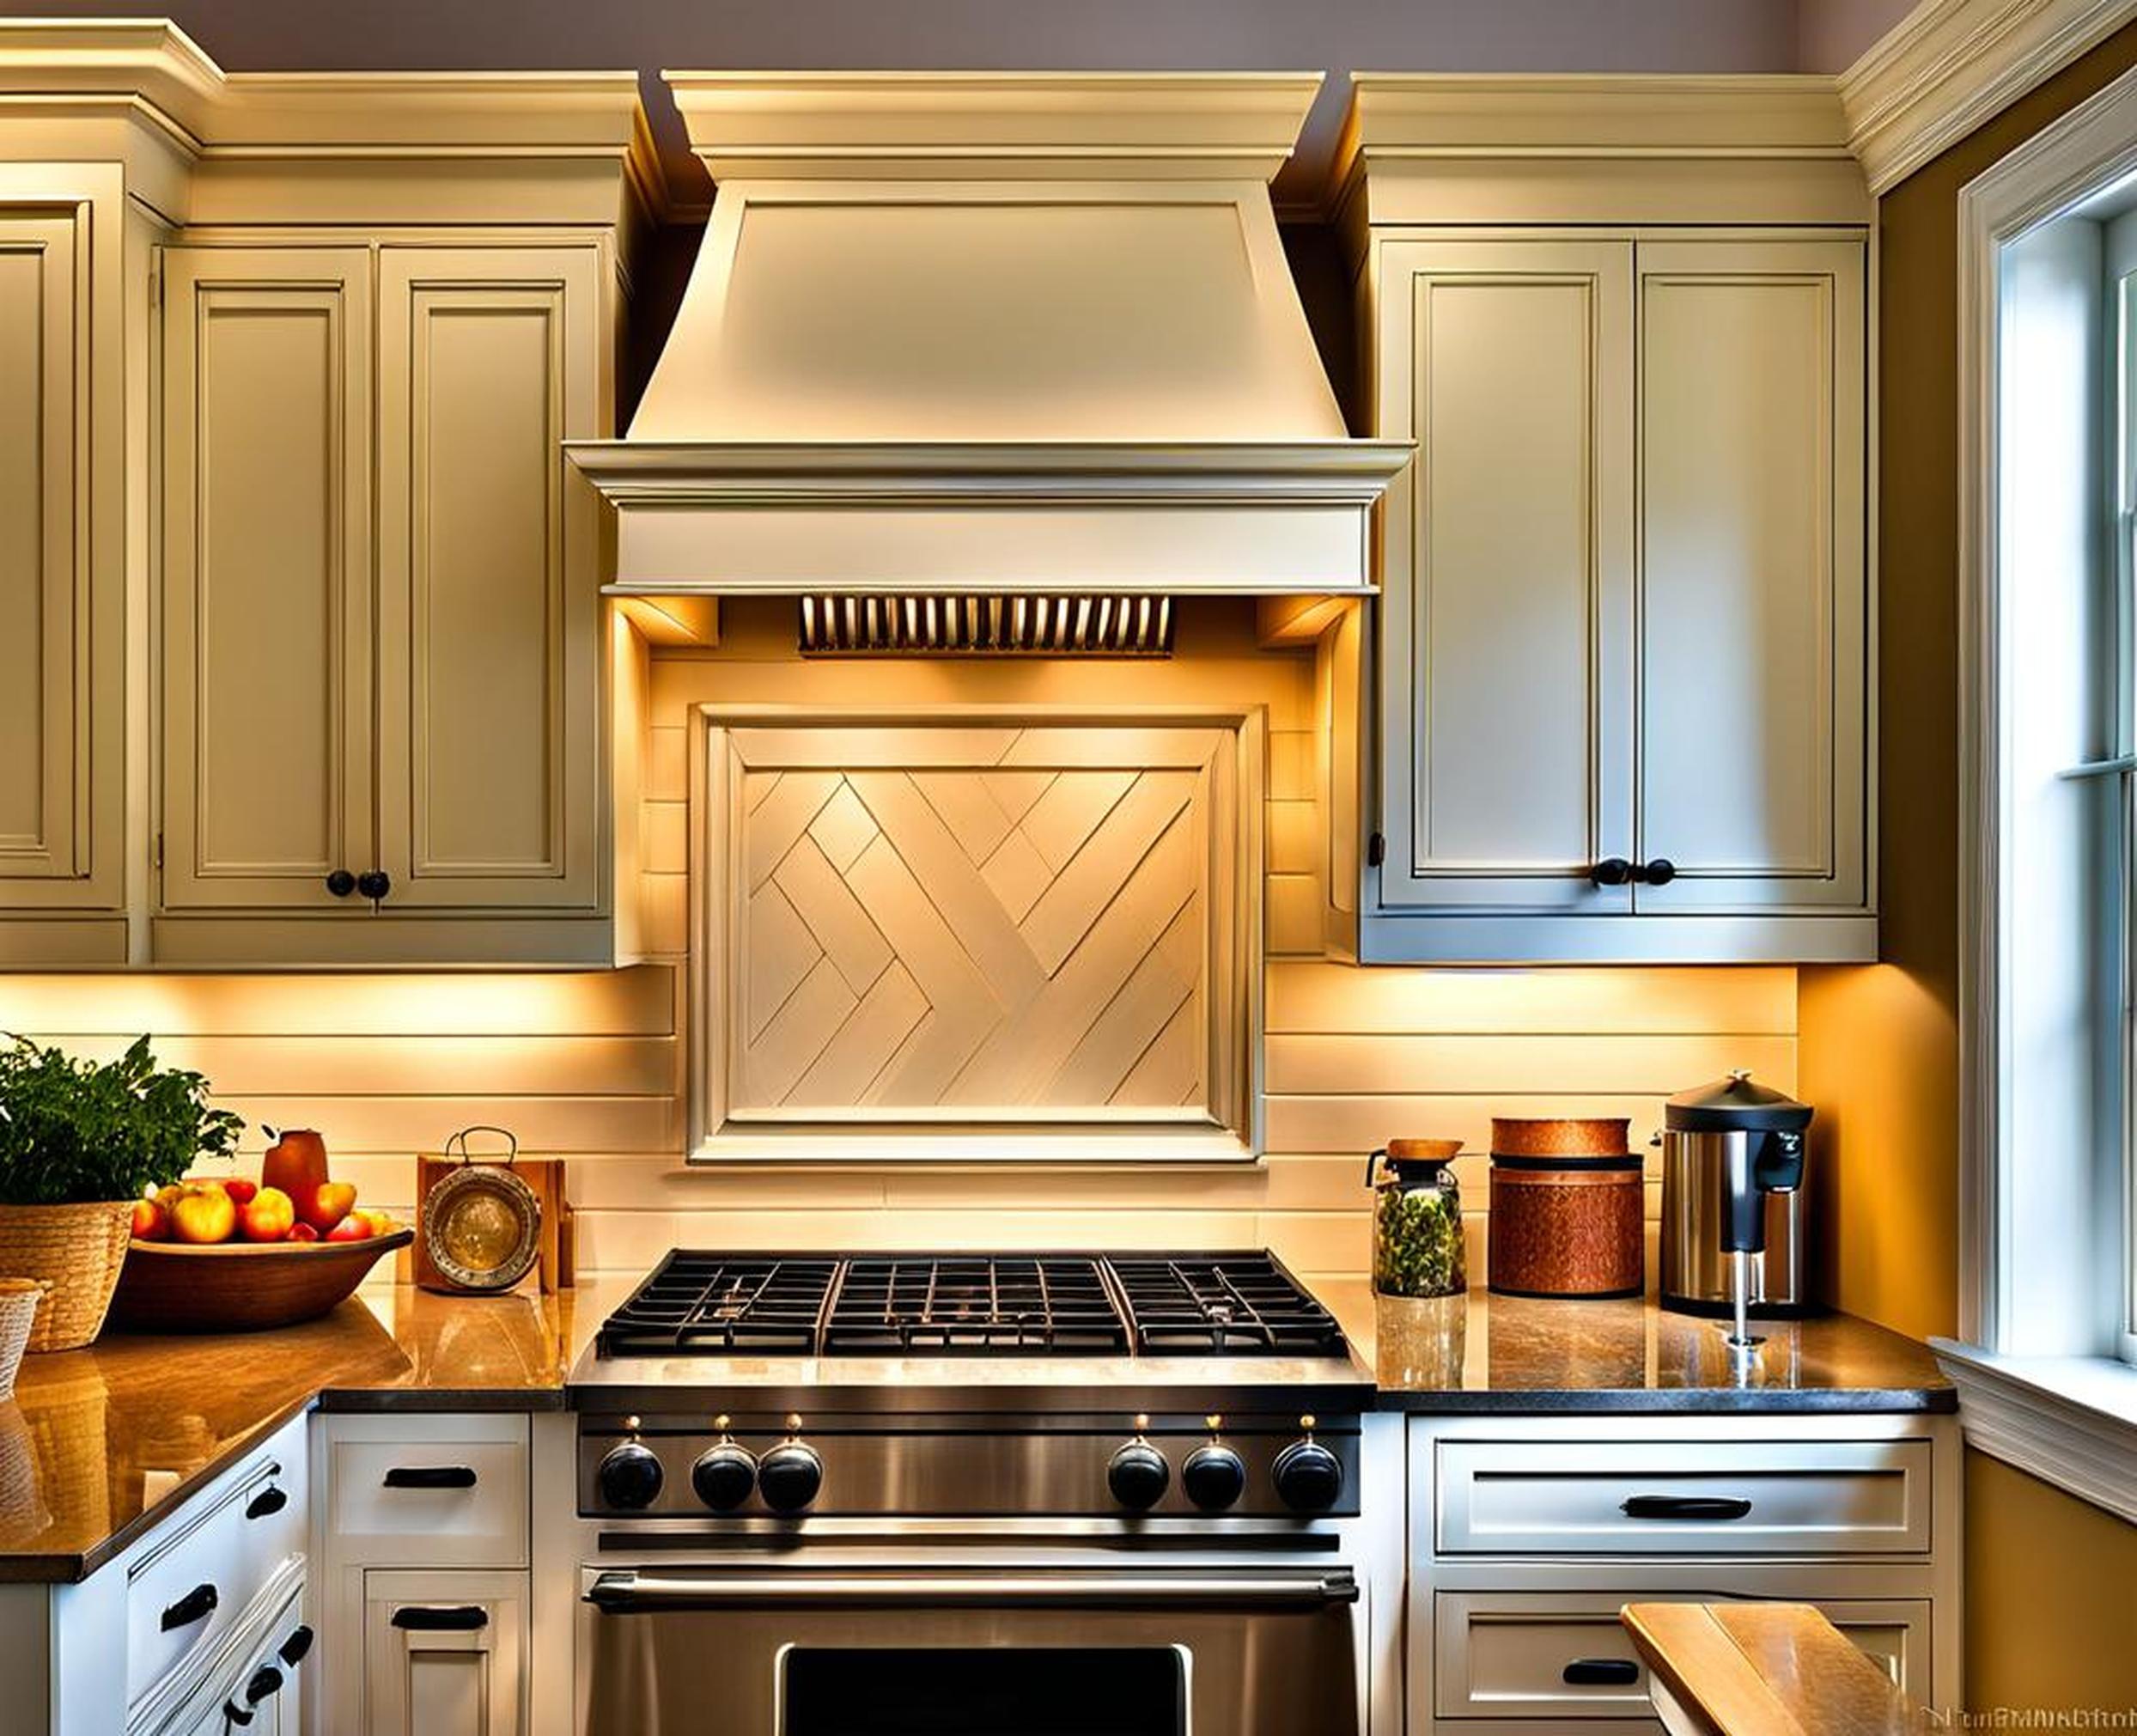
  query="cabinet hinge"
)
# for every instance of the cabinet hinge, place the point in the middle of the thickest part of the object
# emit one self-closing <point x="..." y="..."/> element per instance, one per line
<point x="159" y="852"/>
<point x="1376" y="850"/>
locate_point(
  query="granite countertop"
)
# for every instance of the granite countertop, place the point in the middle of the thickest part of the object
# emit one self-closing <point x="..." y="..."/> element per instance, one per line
<point x="98" y="1444"/>
<point x="1481" y="1353"/>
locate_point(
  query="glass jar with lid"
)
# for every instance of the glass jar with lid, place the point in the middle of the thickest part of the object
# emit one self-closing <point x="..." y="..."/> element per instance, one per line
<point x="1417" y="1246"/>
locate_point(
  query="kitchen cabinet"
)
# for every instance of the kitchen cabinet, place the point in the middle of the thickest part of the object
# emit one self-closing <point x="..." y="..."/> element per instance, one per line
<point x="1526" y="1540"/>
<point x="1615" y="705"/>
<point x="62" y="569"/>
<point x="381" y="625"/>
<point x="443" y="1654"/>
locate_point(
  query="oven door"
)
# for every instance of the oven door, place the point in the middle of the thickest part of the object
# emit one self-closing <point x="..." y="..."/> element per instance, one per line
<point x="798" y="1651"/>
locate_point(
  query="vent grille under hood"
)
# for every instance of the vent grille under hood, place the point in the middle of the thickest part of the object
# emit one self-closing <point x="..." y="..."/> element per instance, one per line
<point x="990" y="333"/>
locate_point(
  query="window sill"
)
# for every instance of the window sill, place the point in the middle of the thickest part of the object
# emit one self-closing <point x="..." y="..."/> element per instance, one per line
<point x="2071" y="1421"/>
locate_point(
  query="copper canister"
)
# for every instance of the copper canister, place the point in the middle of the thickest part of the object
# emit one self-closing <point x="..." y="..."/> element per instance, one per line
<point x="1568" y="1210"/>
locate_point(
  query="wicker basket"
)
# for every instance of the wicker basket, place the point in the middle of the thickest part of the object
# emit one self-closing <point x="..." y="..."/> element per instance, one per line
<point x="80" y="1248"/>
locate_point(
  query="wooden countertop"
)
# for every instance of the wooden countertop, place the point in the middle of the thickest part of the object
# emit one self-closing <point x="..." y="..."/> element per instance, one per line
<point x="1765" y="1669"/>
<point x="98" y="1443"/>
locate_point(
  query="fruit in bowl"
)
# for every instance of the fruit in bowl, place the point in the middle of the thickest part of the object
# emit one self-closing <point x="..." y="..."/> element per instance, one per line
<point x="203" y="1213"/>
<point x="268" y="1217"/>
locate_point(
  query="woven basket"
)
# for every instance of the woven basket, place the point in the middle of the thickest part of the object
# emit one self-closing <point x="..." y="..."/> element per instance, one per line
<point x="80" y="1249"/>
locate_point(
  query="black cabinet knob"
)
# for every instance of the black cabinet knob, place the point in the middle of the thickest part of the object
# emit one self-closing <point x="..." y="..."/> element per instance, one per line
<point x="341" y="883"/>
<point x="1214" y="1476"/>
<point x="630" y="1476"/>
<point x="724" y="1476"/>
<point x="1659" y="872"/>
<point x="789" y="1476"/>
<point x="1309" y="1478"/>
<point x="267" y="1680"/>
<point x="270" y="1500"/>
<point x="292" y="1650"/>
<point x="374" y="884"/>
<point x="198" y="1605"/>
<point x="1611" y="871"/>
<point x="1138" y="1476"/>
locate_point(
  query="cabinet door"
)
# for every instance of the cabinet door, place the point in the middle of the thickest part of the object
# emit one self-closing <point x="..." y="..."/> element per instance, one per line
<point x="1507" y="619"/>
<point x="1752" y="745"/>
<point x="443" y="1654"/>
<point x="266" y="562"/>
<point x="489" y="604"/>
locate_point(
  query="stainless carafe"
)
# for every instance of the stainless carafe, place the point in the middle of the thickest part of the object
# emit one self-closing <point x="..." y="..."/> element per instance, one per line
<point x="1733" y="1208"/>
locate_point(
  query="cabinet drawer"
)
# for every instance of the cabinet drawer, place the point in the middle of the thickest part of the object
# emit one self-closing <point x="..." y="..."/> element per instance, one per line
<point x="200" y="1572"/>
<point x="274" y="1633"/>
<point x="443" y="1653"/>
<point x="1690" y="1497"/>
<point x="1548" y="1655"/>
<point x="427" y="1492"/>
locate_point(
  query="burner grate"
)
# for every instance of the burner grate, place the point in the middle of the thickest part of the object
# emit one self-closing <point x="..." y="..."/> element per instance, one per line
<point x="711" y="1303"/>
<point x="1043" y="1302"/>
<point x="1222" y="1305"/>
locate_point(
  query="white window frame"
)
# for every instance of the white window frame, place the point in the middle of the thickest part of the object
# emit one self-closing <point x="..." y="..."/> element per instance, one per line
<point x="2067" y="1413"/>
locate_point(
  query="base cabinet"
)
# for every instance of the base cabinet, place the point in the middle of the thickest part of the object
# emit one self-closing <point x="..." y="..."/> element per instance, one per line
<point x="443" y="1653"/>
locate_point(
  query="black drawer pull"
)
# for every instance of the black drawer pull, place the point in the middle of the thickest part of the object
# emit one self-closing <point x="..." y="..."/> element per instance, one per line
<point x="269" y="1500"/>
<point x="1601" y="1672"/>
<point x="1708" y="1506"/>
<point x="430" y="1477"/>
<point x="293" y="1649"/>
<point x="453" y="1618"/>
<point x="267" y="1680"/>
<point x="196" y="1604"/>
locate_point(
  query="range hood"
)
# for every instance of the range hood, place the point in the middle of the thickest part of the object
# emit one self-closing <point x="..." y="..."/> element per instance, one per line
<point x="985" y="334"/>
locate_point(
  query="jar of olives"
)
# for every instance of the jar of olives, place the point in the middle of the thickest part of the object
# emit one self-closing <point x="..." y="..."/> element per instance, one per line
<point x="1417" y="1247"/>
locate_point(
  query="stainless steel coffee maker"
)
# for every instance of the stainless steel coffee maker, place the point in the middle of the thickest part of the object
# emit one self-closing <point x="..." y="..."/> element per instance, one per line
<point x="1733" y="1224"/>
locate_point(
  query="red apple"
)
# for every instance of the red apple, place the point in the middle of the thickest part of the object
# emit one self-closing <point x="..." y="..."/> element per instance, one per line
<point x="295" y="1162"/>
<point x="268" y="1217"/>
<point x="203" y="1214"/>
<point x="302" y="1233"/>
<point x="326" y="1205"/>
<point x="151" y="1223"/>
<point x="240" y="1190"/>
<point x="351" y="1229"/>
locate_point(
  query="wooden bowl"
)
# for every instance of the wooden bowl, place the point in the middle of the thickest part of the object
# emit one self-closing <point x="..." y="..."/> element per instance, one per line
<point x="241" y="1286"/>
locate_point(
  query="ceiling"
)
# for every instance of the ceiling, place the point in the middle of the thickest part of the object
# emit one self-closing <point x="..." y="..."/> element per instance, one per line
<point x="1333" y="35"/>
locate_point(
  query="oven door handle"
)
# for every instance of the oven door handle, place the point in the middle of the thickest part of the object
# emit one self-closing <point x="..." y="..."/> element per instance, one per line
<point x="628" y="1593"/>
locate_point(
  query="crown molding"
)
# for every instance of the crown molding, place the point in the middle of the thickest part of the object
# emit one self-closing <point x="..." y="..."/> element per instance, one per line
<point x="1949" y="65"/>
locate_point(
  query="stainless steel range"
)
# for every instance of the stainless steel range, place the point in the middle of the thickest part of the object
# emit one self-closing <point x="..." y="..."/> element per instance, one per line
<point x="1048" y="1494"/>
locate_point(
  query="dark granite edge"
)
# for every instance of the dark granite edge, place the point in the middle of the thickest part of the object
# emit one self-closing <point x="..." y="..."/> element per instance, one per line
<point x="1690" y="1401"/>
<point x="421" y="1400"/>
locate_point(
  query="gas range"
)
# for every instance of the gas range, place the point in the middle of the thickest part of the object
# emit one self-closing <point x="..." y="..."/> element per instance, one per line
<point x="762" y="1387"/>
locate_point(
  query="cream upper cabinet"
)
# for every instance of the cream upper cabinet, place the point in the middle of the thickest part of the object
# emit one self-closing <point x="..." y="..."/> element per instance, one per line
<point x="266" y="615"/>
<point x="489" y="608"/>
<point x="62" y="576"/>
<point x="383" y="679"/>
<point x="1624" y="614"/>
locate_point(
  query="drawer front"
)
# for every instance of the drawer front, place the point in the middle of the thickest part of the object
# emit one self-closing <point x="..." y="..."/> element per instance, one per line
<point x="427" y="1492"/>
<point x="1690" y="1498"/>
<point x="201" y="1570"/>
<point x="1548" y="1655"/>
<point x="274" y="1632"/>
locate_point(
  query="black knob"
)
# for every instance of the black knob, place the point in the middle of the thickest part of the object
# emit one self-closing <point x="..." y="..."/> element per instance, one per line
<point x="294" y="1649"/>
<point x="1138" y="1476"/>
<point x="724" y="1475"/>
<point x="789" y="1476"/>
<point x="1611" y="871"/>
<point x="1214" y="1477"/>
<point x="1659" y="872"/>
<point x="267" y="1680"/>
<point x="374" y="884"/>
<point x="630" y="1476"/>
<point x="341" y="883"/>
<point x="1309" y="1478"/>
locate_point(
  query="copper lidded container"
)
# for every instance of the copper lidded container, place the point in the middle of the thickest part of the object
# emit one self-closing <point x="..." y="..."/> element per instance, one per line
<point x="1568" y="1202"/>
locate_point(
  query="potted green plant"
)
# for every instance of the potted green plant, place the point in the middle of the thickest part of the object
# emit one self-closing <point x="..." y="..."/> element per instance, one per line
<point x="80" y="1143"/>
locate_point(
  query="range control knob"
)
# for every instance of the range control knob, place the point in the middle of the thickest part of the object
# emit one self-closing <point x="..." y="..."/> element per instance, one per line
<point x="1309" y="1478"/>
<point x="724" y="1473"/>
<point x="1214" y="1476"/>
<point x="1137" y="1473"/>
<point x="790" y="1475"/>
<point x="629" y="1475"/>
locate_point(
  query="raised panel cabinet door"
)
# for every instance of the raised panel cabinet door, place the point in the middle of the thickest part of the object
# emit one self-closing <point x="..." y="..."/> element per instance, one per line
<point x="45" y="600"/>
<point x="1752" y="720"/>
<point x="1506" y="614"/>
<point x="490" y="601"/>
<point x="266" y="782"/>
<point x="443" y="1653"/>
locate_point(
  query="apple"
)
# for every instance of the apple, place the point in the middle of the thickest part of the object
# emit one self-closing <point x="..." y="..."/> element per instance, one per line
<point x="351" y="1228"/>
<point x="301" y="1232"/>
<point x="151" y="1221"/>
<point x="241" y="1190"/>
<point x="203" y="1214"/>
<point x="295" y="1162"/>
<point x="325" y="1206"/>
<point x="268" y="1217"/>
<point x="381" y="1222"/>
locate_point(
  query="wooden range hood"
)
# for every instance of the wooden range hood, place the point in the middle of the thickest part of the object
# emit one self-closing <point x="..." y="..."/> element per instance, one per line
<point x="992" y="333"/>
